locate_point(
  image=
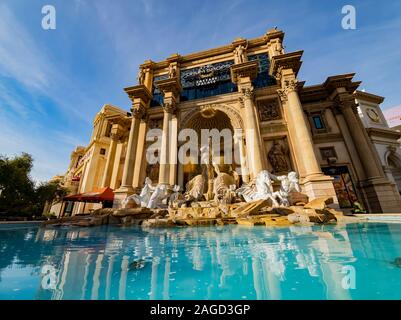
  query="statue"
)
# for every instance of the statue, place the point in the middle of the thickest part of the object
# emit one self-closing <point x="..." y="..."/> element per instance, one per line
<point x="141" y="76"/>
<point x="223" y="187"/>
<point x="240" y="54"/>
<point x="176" y="198"/>
<point x="289" y="183"/>
<point x="277" y="157"/>
<point x="278" y="48"/>
<point x="172" y="71"/>
<point x="158" y="196"/>
<point x="260" y="189"/>
<point x="195" y="187"/>
<point x="143" y="198"/>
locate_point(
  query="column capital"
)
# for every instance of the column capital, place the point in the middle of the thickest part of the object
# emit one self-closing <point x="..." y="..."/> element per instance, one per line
<point x="288" y="86"/>
<point x="138" y="111"/>
<point x="282" y="95"/>
<point x="247" y="92"/>
<point x="169" y="106"/>
<point x="117" y="131"/>
<point x="344" y="101"/>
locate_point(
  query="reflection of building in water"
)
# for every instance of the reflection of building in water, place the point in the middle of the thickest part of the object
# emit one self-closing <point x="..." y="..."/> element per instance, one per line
<point x="193" y="263"/>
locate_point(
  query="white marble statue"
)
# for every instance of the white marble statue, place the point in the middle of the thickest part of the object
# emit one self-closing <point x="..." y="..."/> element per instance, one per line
<point x="289" y="183"/>
<point x="160" y="194"/>
<point x="260" y="189"/>
<point x="143" y="198"/>
<point x="176" y="198"/>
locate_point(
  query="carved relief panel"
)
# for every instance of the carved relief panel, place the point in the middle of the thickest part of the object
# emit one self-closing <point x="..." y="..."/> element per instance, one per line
<point x="269" y="110"/>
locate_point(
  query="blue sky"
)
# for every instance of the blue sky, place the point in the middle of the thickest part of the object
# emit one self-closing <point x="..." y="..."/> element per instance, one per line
<point x="53" y="82"/>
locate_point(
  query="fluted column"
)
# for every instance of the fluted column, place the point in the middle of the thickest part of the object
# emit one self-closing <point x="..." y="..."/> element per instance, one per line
<point x="173" y="150"/>
<point x="240" y="148"/>
<point x="164" y="171"/>
<point x="171" y="95"/>
<point x="253" y="138"/>
<point x="369" y="158"/>
<point x="297" y="123"/>
<point x="115" y="136"/>
<point x="128" y="172"/>
<point x="243" y="74"/>
<point x="140" y="161"/>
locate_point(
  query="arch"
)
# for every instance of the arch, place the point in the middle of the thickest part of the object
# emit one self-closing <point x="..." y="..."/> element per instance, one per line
<point x="232" y="114"/>
<point x="393" y="160"/>
<point x="393" y="166"/>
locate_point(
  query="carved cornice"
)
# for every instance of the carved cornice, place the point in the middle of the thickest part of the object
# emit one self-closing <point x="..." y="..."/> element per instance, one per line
<point x="384" y="133"/>
<point x="226" y="49"/>
<point x="327" y="137"/>
<point x="341" y="81"/>
<point x="285" y="61"/>
<point x="139" y="92"/>
<point x="169" y="85"/>
<point x="246" y="69"/>
<point x="368" y="97"/>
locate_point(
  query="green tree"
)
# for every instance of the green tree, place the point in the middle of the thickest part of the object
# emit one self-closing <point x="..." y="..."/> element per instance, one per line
<point x="18" y="193"/>
<point x="47" y="192"/>
<point x="17" y="188"/>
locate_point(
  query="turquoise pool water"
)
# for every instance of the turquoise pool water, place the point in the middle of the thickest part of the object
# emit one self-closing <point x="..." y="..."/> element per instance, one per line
<point x="233" y="262"/>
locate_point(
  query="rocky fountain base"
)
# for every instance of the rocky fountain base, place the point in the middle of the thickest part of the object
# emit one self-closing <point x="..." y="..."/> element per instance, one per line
<point x="207" y="213"/>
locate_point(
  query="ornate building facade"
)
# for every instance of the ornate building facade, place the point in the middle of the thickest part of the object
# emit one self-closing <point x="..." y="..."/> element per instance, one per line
<point x="249" y="86"/>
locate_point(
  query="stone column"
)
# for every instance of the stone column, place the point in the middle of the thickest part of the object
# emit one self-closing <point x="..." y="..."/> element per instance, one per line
<point x="296" y="121"/>
<point x="140" y="161"/>
<point x="240" y="148"/>
<point x="364" y="147"/>
<point x="116" y="131"/>
<point x="140" y="97"/>
<point x="173" y="150"/>
<point x="128" y="172"/>
<point x="253" y="138"/>
<point x="314" y="183"/>
<point x="242" y="74"/>
<point x="171" y="95"/>
<point x="164" y="171"/>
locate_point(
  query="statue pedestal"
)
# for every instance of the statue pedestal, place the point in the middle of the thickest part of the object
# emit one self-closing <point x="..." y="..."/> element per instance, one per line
<point x="319" y="186"/>
<point x="120" y="194"/>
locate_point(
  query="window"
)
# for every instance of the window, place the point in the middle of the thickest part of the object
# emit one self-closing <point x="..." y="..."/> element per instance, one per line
<point x="103" y="151"/>
<point x="318" y="122"/>
<point x="263" y="79"/>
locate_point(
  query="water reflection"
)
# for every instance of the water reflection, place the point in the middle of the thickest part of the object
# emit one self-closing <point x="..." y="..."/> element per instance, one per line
<point x="200" y="263"/>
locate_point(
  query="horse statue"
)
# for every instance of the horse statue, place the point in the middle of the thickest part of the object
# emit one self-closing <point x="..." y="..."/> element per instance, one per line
<point x="259" y="189"/>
